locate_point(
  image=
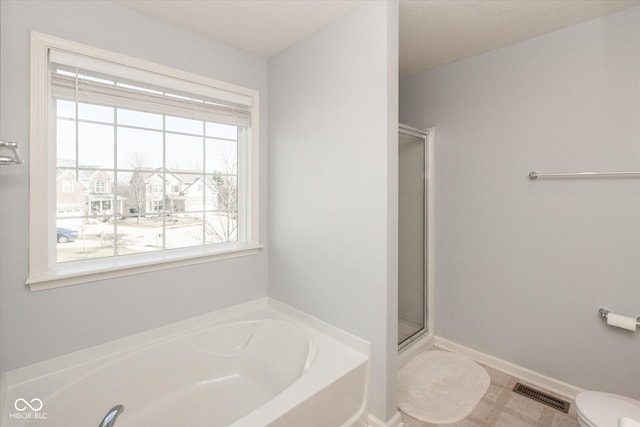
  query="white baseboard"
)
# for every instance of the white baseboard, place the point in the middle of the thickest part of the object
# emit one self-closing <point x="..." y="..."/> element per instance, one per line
<point x="534" y="378"/>
<point x="395" y="421"/>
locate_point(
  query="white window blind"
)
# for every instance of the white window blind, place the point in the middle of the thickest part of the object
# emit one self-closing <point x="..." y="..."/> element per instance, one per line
<point x="73" y="78"/>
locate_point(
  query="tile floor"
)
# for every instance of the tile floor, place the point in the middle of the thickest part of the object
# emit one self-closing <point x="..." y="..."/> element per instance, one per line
<point x="501" y="407"/>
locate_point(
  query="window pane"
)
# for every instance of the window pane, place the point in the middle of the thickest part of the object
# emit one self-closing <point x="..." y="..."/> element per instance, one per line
<point x="221" y="156"/>
<point x="80" y="239"/>
<point x="178" y="124"/>
<point x="193" y="194"/>
<point x="65" y="109"/>
<point x="139" y="233"/>
<point x="184" y="153"/>
<point x="139" y="149"/>
<point x="95" y="113"/>
<point x="217" y="130"/>
<point x="95" y="145"/>
<point x="139" y="119"/>
<point x="221" y="227"/>
<point x="183" y="231"/>
<point x="222" y="193"/>
<point x="66" y="140"/>
<point x="71" y="196"/>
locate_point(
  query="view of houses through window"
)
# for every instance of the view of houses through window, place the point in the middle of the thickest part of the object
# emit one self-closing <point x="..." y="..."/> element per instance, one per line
<point x="129" y="181"/>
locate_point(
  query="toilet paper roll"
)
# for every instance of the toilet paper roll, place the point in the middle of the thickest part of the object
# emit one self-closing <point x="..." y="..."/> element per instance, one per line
<point x="624" y="322"/>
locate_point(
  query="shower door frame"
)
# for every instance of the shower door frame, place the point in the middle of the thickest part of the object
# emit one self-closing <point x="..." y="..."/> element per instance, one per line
<point x="428" y="272"/>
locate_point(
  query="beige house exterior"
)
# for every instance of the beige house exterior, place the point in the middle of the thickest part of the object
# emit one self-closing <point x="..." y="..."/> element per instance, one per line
<point x="93" y="194"/>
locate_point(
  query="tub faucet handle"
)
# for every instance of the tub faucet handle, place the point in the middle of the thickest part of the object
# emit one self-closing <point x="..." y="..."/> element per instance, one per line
<point x="110" y="419"/>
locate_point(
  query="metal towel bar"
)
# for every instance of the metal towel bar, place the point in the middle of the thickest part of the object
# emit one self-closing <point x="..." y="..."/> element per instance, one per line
<point x="8" y="160"/>
<point x="536" y="175"/>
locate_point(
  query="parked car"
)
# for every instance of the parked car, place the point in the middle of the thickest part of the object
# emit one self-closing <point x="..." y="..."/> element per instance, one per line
<point x="65" y="235"/>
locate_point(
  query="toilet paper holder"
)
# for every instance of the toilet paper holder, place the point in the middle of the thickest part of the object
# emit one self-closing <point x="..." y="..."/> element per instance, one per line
<point x="604" y="313"/>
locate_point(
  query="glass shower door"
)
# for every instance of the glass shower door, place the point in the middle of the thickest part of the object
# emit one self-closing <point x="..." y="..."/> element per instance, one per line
<point x="412" y="289"/>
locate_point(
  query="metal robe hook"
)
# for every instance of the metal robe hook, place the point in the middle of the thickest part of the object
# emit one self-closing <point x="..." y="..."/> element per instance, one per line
<point x="8" y="160"/>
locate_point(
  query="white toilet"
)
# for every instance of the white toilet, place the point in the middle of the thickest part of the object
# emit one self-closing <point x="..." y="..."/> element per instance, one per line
<point x="599" y="409"/>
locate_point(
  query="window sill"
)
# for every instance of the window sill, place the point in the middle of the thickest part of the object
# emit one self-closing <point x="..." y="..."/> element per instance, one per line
<point x="101" y="269"/>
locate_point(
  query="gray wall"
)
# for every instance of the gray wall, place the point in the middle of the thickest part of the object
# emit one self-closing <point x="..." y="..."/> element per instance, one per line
<point x="38" y="325"/>
<point x="523" y="266"/>
<point x="333" y="183"/>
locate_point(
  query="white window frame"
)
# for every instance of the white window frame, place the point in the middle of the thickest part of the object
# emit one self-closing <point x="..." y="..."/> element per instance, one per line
<point x="44" y="272"/>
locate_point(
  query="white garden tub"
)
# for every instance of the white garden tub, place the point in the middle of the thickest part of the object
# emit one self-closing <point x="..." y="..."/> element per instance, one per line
<point x="257" y="364"/>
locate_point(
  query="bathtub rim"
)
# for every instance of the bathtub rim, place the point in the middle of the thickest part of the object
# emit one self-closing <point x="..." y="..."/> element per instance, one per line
<point x="133" y="343"/>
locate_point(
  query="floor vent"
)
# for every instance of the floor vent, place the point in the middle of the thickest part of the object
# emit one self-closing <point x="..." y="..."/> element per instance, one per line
<point x="541" y="397"/>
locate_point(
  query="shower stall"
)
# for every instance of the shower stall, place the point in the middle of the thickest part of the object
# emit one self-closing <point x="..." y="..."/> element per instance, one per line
<point x="413" y="234"/>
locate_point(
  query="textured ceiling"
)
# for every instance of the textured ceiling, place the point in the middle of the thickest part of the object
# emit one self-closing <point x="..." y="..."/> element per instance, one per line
<point x="437" y="32"/>
<point x="432" y="32"/>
